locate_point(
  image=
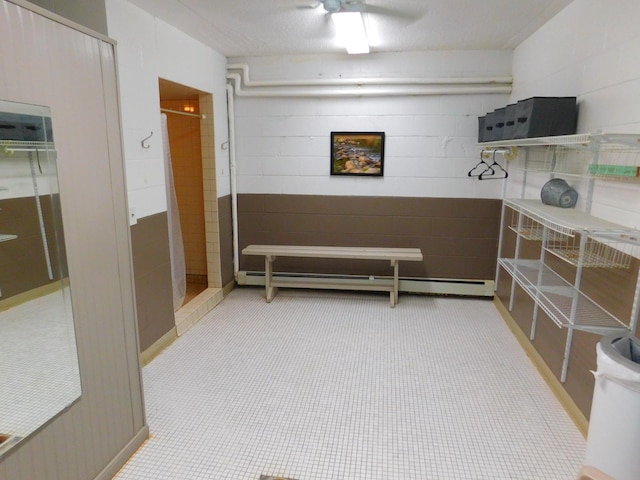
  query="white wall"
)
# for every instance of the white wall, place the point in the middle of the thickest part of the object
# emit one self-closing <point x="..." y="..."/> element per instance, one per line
<point x="589" y="50"/>
<point x="148" y="49"/>
<point x="283" y="144"/>
<point x="74" y="74"/>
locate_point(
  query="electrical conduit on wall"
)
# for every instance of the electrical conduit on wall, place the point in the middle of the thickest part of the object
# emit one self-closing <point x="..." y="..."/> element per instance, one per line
<point x="242" y="85"/>
<point x="245" y="86"/>
<point x="233" y="179"/>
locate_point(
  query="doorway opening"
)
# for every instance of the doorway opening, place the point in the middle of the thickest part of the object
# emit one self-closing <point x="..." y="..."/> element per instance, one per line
<point x="190" y="130"/>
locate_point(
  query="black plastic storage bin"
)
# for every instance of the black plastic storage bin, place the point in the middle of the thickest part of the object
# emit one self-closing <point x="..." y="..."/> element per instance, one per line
<point x="545" y="117"/>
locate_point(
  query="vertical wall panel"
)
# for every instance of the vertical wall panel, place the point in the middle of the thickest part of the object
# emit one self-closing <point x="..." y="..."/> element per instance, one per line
<point x="74" y="74"/>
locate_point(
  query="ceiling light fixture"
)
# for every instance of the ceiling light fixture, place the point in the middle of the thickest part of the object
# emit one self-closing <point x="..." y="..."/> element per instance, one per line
<point x="351" y="31"/>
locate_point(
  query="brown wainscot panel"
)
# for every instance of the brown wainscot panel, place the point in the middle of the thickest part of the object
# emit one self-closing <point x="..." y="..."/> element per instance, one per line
<point x="458" y="236"/>
<point x="152" y="274"/>
<point x="23" y="264"/>
<point x="225" y="226"/>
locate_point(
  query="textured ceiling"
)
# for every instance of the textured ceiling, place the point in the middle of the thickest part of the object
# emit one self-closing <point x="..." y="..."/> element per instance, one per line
<point x="279" y="27"/>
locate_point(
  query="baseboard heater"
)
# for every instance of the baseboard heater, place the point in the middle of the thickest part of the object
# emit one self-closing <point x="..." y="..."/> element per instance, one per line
<point x="434" y="286"/>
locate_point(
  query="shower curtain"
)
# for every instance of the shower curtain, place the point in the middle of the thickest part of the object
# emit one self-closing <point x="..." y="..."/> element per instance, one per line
<point x="176" y="245"/>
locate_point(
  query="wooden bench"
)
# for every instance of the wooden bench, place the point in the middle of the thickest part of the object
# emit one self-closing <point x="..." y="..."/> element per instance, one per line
<point x="393" y="255"/>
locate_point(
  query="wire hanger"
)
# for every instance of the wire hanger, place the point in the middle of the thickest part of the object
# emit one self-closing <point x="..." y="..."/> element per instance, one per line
<point x="480" y="167"/>
<point x="499" y="175"/>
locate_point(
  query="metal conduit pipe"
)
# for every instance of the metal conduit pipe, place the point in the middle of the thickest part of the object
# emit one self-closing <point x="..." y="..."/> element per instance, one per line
<point x="317" y="82"/>
<point x="233" y="179"/>
<point x="355" y="90"/>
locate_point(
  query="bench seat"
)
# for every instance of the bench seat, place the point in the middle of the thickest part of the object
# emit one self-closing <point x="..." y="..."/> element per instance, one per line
<point x="392" y="255"/>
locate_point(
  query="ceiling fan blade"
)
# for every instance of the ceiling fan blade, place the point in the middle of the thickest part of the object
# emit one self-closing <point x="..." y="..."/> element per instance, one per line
<point x="372" y="9"/>
<point x="309" y="6"/>
<point x="353" y="6"/>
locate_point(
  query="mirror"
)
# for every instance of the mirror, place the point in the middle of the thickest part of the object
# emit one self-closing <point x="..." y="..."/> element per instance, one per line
<point x="39" y="375"/>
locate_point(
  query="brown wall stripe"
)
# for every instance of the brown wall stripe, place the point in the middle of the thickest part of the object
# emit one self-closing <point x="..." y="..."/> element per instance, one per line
<point x="23" y="265"/>
<point x="225" y="226"/>
<point x="152" y="273"/>
<point x="458" y="236"/>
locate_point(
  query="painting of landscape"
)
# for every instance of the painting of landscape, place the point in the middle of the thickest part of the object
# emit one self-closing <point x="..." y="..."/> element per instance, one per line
<point x="357" y="153"/>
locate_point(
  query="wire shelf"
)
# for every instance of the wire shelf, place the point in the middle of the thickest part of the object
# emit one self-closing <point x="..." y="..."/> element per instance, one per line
<point x="530" y="223"/>
<point x="568" y="221"/>
<point x="529" y="233"/>
<point x="526" y="226"/>
<point x="556" y="297"/>
<point x="617" y="162"/>
<point x="10" y="146"/>
<point x="620" y="162"/>
<point x="579" y="140"/>
<point x="532" y="227"/>
<point x="596" y="253"/>
<point x="564" y="242"/>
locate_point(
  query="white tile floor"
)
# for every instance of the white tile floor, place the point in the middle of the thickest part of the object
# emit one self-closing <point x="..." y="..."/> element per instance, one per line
<point x="38" y="362"/>
<point x="333" y="386"/>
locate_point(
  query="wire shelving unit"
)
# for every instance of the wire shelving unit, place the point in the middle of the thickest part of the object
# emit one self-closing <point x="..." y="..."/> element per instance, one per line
<point x="575" y="237"/>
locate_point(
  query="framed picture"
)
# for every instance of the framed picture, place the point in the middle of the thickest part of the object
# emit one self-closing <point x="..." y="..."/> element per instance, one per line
<point x="357" y="153"/>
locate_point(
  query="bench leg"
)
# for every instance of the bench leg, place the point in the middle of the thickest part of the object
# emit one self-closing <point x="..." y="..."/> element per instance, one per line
<point x="396" y="283"/>
<point x="270" y="291"/>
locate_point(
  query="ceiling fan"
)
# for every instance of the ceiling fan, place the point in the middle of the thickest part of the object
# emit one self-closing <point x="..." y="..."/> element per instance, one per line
<point x="348" y="20"/>
<point x="335" y="6"/>
<point x="340" y="6"/>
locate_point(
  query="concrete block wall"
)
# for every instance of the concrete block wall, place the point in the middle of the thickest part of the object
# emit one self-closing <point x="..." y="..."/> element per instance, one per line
<point x="589" y="50"/>
<point x="283" y="144"/>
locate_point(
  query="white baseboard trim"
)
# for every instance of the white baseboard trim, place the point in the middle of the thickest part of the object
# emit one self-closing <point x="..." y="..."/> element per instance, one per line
<point x="435" y="286"/>
<point x="124" y="455"/>
<point x="158" y="346"/>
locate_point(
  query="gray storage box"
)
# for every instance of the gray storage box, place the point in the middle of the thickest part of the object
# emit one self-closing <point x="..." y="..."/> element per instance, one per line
<point x="489" y="120"/>
<point x="545" y="117"/>
<point x="481" y="131"/>
<point x="25" y="128"/>
<point x="510" y="121"/>
<point x="498" y="123"/>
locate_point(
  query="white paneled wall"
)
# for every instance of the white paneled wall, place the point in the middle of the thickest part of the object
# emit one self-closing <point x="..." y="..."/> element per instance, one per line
<point x="589" y="50"/>
<point x="74" y="74"/>
<point x="283" y="144"/>
<point x="149" y="49"/>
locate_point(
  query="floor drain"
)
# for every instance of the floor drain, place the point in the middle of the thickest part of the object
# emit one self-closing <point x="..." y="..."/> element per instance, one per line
<point x="271" y="477"/>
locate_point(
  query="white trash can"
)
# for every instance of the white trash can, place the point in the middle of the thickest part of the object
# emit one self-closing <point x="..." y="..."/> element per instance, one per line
<point x="613" y="440"/>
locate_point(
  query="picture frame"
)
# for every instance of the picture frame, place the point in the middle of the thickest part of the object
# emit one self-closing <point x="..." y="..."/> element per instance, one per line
<point x="358" y="154"/>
